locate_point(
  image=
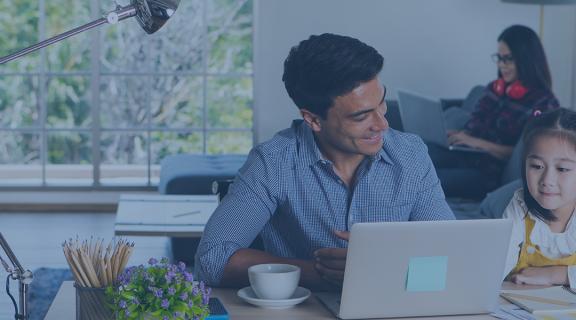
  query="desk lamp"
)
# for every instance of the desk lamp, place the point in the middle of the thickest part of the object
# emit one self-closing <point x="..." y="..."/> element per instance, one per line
<point x="151" y="15"/>
<point x="16" y="272"/>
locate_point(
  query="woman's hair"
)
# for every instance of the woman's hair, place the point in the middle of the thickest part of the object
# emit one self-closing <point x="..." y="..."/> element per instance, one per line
<point x="529" y="56"/>
<point x="559" y="123"/>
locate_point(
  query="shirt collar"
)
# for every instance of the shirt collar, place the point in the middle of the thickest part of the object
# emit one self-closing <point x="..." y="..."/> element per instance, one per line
<point x="310" y="154"/>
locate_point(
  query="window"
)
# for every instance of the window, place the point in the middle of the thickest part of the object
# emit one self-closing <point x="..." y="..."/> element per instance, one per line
<point x="104" y="107"/>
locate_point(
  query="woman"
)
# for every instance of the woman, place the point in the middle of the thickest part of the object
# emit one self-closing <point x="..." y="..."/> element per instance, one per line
<point x="523" y="88"/>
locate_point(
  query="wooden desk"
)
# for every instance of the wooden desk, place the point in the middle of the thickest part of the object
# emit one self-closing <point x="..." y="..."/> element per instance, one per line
<point x="163" y="215"/>
<point x="63" y="308"/>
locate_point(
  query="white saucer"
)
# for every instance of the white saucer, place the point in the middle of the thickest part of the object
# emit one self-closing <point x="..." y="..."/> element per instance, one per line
<point x="248" y="295"/>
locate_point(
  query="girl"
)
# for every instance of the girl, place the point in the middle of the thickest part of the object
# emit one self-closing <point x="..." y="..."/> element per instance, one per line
<point x="543" y="244"/>
<point x="523" y="86"/>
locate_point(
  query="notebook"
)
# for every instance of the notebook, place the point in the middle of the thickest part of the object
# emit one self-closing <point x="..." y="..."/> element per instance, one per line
<point x="421" y="268"/>
<point x="423" y="116"/>
<point x="542" y="301"/>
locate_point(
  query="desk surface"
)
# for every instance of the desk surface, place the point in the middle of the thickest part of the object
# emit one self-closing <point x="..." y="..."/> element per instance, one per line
<point x="163" y="215"/>
<point x="64" y="308"/>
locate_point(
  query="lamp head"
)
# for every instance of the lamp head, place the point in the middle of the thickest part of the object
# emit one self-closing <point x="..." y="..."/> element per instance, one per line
<point x="153" y="14"/>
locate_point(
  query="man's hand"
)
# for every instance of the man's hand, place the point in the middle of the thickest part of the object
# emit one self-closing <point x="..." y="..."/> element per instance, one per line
<point x="330" y="262"/>
<point x="549" y="276"/>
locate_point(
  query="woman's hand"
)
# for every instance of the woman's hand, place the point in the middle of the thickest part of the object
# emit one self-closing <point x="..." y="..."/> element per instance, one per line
<point x="548" y="276"/>
<point x="499" y="151"/>
<point x="462" y="138"/>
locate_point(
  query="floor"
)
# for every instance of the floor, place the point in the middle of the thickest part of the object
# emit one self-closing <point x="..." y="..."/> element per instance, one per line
<point x="36" y="239"/>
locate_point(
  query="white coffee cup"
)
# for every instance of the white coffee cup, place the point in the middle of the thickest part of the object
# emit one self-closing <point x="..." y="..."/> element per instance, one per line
<point x="274" y="281"/>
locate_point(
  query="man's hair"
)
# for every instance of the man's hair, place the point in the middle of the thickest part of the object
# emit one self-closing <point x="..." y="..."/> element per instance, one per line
<point x="327" y="66"/>
<point x="529" y="56"/>
<point x="559" y="123"/>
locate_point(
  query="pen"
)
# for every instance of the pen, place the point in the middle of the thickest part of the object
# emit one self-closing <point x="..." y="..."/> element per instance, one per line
<point x="567" y="288"/>
<point x="186" y="214"/>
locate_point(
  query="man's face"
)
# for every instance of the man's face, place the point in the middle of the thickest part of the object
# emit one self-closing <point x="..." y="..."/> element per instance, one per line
<point x="355" y="123"/>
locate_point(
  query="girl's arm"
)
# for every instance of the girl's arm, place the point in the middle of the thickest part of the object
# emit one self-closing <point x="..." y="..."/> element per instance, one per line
<point x="546" y="276"/>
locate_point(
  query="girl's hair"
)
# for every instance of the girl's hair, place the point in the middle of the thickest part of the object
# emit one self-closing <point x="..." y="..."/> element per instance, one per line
<point x="529" y="56"/>
<point x="559" y="123"/>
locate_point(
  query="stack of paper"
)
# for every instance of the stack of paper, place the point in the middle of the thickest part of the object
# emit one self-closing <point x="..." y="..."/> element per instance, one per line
<point x="547" y="303"/>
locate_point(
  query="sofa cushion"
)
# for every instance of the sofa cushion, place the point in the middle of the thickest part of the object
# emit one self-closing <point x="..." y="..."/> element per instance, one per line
<point x="194" y="173"/>
<point x="495" y="203"/>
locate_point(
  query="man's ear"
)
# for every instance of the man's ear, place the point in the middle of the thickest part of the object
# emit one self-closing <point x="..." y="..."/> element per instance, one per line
<point x="312" y="119"/>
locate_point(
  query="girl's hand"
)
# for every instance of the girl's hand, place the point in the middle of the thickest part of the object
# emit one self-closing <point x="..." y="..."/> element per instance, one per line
<point x="548" y="276"/>
<point x="462" y="138"/>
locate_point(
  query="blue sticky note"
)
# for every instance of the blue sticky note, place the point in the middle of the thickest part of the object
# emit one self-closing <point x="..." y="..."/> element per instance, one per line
<point x="427" y="274"/>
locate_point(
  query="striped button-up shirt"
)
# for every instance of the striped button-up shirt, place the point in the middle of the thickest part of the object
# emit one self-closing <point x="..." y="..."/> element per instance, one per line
<point x="290" y="194"/>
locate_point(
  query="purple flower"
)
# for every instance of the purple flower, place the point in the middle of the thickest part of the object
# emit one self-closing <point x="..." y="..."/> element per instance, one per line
<point x="195" y="291"/>
<point x="190" y="304"/>
<point x="165" y="318"/>
<point x="122" y="304"/>
<point x="152" y="261"/>
<point x="165" y="304"/>
<point x="158" y="293"/>
<point x="127" y="312"/>
<point x="169" y="276"/>
<point x="188" y="276"/>
<point x="178" y="315"/>
<point x="182" y="266"/>
<point x="135" y="301"/>
<point x="164" y="260"/>
<point x="184" y="296"/>
<point x="171" y="291"/>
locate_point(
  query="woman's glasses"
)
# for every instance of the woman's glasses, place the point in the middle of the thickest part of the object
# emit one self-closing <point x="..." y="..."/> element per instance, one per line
<point x="505" y="59"/>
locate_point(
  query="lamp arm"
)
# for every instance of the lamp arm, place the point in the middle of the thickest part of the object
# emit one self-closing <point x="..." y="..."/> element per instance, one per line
<point x="10" y="254"/>
<point x="23" y="276"/>
<point x="119" y="14"/>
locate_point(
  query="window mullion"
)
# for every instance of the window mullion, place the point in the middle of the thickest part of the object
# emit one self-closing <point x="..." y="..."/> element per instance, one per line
<point x="42" y="91"/>
<point x="95" y="95"/>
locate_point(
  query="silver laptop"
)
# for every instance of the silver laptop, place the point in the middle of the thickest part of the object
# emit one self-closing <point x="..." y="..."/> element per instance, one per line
<point x="423" y="116"/>
<point x="422" y="268"/>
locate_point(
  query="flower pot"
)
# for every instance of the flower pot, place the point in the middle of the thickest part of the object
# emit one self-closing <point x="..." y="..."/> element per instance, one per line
<point x="91" y="304"/>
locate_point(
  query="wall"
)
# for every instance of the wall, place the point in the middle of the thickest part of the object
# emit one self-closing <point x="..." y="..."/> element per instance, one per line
<point x="439" y="48"/>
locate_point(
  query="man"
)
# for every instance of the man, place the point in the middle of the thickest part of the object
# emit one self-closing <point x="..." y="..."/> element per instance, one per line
<point x="302" y="190"/>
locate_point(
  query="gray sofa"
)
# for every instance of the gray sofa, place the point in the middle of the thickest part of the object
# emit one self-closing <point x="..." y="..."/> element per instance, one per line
<point x="494" y="204"/>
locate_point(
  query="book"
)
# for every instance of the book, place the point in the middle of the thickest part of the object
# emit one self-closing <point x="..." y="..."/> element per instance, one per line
<point x="556" y="299"/>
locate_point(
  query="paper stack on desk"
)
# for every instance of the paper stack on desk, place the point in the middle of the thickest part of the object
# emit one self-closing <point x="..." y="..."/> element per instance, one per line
<point x="548" y="303"/>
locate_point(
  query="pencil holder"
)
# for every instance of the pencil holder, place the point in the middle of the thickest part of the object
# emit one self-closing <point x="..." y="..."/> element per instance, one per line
<point x="91" y="304"/>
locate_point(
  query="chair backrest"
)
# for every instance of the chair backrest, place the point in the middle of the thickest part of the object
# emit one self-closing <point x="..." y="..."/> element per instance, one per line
<point x="513" y="168"/>
<point x="393" y="115"/>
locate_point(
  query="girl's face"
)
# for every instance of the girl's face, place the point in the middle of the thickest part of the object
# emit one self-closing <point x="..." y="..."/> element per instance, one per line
<point x="506" y="64"/>
<point x="551" y="174"/>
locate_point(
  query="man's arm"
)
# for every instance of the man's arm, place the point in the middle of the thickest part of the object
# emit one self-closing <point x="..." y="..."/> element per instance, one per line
<point x="236" y="270"/>
<point x="223" y="256"/>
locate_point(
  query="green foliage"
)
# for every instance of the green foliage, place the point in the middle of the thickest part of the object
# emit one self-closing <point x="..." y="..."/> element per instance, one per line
<point x="159" y="291"/>
<point x="185" y="89"/>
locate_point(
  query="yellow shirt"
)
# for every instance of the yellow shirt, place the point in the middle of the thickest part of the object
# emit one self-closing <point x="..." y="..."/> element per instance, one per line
<point x="532" y="243"/>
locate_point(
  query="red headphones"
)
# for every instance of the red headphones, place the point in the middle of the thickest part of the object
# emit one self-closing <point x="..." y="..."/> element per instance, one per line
<point x="515" y="90"/>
